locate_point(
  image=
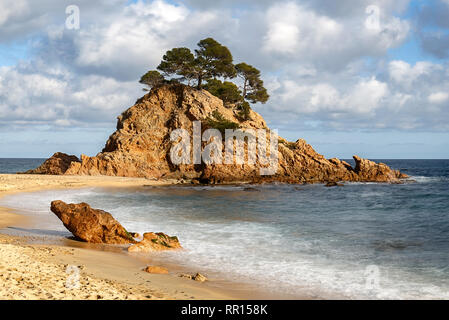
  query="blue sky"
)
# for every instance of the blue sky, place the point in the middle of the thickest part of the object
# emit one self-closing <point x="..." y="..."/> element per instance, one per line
<point x="345" y="85"/>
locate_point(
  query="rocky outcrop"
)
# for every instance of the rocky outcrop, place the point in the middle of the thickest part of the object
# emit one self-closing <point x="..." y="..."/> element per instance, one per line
<point x="90" y="225"/>
<point x="56" y="165"/>
<point x="196" y="277"/>
<point x="155" y="242"/>
<point x="141" y="146"/>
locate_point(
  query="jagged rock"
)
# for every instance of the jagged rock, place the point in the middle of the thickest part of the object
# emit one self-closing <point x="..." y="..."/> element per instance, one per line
<point x="155" y="242"/>
<point x="375" y="172"/>
<point x="90" y="225"/>
<point x="56" y="165"/>
<point x="141" y="146"/>
<point x="156" y="270"/>
<point x="135" y="235"/>
<point x="197" y="277"/>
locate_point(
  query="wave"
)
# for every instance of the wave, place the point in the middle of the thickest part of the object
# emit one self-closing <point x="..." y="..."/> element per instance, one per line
<point x="239" y="241"/>
<point x="428" y="179"/>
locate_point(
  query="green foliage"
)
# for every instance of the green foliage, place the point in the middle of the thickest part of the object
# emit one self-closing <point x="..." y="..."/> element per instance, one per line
<point x="211" y="60"/>
<point x="178" y="61"/>
<point x="214" y="59"/>
<point x="253" y="87"/>
<point x="226" y="91"/>
<point x="152" y="79"/>
<point x="130" y="237"/>
<point x="220" y="123"/>
<point x="244" y="111"/>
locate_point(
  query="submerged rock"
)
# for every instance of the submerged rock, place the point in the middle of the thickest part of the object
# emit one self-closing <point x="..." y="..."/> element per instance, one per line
<point x="141" y="146"/>
<point x="155" y="242"/>
<point x="90" y="225"/>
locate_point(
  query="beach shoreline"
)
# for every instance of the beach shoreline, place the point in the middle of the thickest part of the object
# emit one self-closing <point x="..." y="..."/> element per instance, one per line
<point x="105" y="271"/>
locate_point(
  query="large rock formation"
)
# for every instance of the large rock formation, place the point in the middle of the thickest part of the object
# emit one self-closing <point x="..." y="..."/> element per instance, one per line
<point x="90" y="225"/>
<point x="56" y="165"/>
<point x="141" y="146"/>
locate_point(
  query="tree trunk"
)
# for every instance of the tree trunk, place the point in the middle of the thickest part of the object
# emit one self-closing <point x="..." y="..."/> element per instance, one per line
<point x="200" y="80"/>
<point x="244" y="88"/>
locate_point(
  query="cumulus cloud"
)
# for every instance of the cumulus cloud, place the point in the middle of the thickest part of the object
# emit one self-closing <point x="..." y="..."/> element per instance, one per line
<point x="321" y="64"/>
<point x="88" y="76"/>
<point x="402" y="96"/>
<point x="438" y="97"/>
<point x="296" y="32"/>
<point x="433" y="28"/>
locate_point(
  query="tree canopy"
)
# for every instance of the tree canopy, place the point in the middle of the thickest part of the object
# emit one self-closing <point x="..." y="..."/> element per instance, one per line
<point x="208" y="68"/>
<point x="226" y="91"/>
<point x="253" y="88"/>
<point x="152" y="79"/>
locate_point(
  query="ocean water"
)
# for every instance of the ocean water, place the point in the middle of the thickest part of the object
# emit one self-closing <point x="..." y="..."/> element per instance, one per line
<point x="12" y="165"/>
<point x="362" y="240"/>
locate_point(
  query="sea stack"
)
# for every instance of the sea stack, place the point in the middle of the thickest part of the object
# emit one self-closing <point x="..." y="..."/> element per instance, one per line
<point x="141" y="146"/>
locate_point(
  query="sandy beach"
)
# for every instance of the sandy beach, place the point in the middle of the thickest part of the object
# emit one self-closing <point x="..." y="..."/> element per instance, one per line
<point x="33" y="269"/>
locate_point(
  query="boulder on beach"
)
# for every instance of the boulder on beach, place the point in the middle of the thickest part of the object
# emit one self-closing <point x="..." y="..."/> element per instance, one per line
<point x="91" y="225"/>
<point x="156" y="270"/>
<point x="155" y="242"/>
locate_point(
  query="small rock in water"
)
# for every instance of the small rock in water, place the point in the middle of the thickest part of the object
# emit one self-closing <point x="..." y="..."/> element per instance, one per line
<point x="250" y="189"/>
<point x="334" y="184"/>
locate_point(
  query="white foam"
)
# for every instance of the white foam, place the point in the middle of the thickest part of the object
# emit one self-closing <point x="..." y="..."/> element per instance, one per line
<point x="245" y="251"/>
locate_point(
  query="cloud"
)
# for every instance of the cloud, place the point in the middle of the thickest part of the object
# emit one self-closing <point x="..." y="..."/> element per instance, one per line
<point x="298" y="33"/>
<point x="10" y="9"/>
<point x="436" y="43"/>
<point x="56" y="98"/>
<point x="433" y="28"/>
<point x="401" y="96"/>
<point x="323" y="68"/>
<point x="438" y="97"/>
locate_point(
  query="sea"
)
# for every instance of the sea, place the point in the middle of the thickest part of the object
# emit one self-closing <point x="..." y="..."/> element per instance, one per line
<point x="356" y="241"/>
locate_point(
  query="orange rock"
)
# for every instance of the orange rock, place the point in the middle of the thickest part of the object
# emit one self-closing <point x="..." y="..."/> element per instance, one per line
<point x="56" y="165"/>
<point x="90" y="225"/>
<point x="155" y="242"/>
<point x="156" y="270"/>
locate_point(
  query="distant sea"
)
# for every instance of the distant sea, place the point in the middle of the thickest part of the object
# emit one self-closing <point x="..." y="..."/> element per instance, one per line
<point x="12" y="165"/>
<point x="361" y="240"/>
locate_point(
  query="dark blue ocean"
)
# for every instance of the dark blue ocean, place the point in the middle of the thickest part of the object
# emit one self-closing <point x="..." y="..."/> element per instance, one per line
<point x="14" y="165"/>
<point x="361" y="240"/>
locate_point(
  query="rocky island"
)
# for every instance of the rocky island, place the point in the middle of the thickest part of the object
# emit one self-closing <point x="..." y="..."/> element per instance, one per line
<point x="141" y="146"/>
